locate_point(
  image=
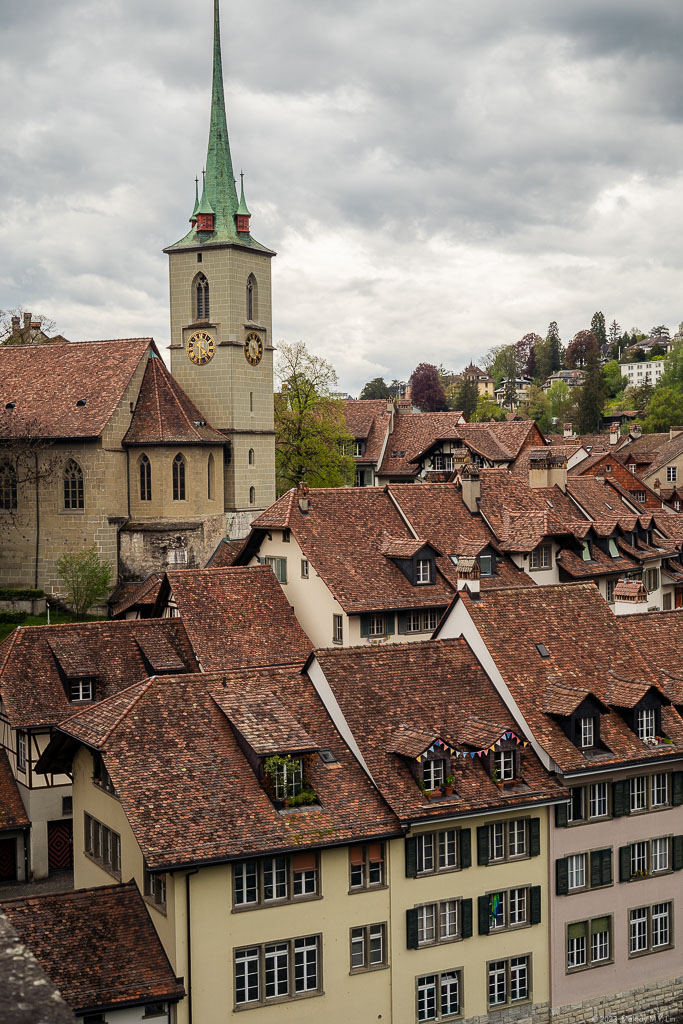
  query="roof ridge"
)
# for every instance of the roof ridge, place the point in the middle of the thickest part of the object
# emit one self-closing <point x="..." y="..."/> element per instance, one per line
<point x="175" y="389"/>
<point x="145" y="687"/>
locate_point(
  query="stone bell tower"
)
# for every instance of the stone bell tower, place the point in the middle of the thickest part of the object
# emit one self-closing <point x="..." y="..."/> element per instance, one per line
<point x="221" y="321"/>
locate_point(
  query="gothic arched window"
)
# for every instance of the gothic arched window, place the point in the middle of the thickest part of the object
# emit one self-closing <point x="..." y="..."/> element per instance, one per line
<point x="8" y="487"/>
<point x="201" y="293"/>
<point x="252" y="495"/>
<point x="251" y="456"/>
<point x="210" y="477"/>
<point x="179" y="478"/>
<point x="145" y="479"/>
<point x="73" y="485"/>
<point x="252" y="297"/>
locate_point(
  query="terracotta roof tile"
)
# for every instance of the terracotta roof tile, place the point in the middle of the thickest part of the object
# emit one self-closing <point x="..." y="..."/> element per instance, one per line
<point x="165" y="415"/>
<point x="382" y="694"/>
<point x="225" y="554"/>
<point x="237" y="616"/>
<point x="32" y="687"/>
<point x="47" y="381"/>
<point x="368" y="420"/>
<point x="186" y="786"/>
<point x="129" y="595"/>
<point x="12" y="811"/>
<point x="98" y="946"/>
<point x="413" y="432"/>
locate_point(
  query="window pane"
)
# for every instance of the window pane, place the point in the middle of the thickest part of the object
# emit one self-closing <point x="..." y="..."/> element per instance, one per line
<point x="425" y="852"/>
<point x="426" y="998"/>
<point x="247" y="975"/>
<point x="306" y="964"/>
<point x="638" y="793"/>
<point x="576" y="951"/>
<point x="660" y="924"/>
<point x="660" y="789"/>
<point x="377" y="944"/>
<point x="638" y="930"/>
<point x="577" y="871"/>
<point x="358" y="947"/>
<point x="660" y="854"/>
<point x="448" y="919"/>
<point x="600" y="946"/>
<point x="245" y="880"/>
<point x="275" y="878"/>
<point x="277" y="970"/>
<point x="497" y="841"/>
<point x="638" y="858"/>
<point x="517" y="906"/>
<point x="426" y="923"/>
<point x="497" y="983"/>
<point x="447" y="849"/>
<point x="519" y="978"/>
<point x="598" y="800"/>
<point x="516" y="838"/>
<point x="450" y="993"/>
<point x="305" y="883"/>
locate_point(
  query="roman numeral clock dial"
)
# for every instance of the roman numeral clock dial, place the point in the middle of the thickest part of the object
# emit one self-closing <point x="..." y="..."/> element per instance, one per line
<point x="200" y="347"/>
<point x="253" y="349"/>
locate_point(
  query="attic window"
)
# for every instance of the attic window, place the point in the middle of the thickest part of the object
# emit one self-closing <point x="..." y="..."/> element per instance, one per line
<point x="585" y="551"/>
<point x="81" y="402"/>
<point x="423" y="573"/>
<point x="587" y="733"/>
<point x="327" y="757"/>
<point x="81" y="689"/>
<point x="608" y="467"/>
<point x="549" y="503"/>
<point x="11" y="405"/>
<point x="612" y="546"/>
<point x="543" y="650"/>
<point x="646" y="724"/>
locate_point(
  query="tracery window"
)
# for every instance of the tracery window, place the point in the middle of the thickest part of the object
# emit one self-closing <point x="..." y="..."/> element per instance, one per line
<point x="179" y="478"/>
<point x="8" y="487"/>
<point x="201" y="287"/>
<point x="145" y="479"/>
<point x="73" y="486"/>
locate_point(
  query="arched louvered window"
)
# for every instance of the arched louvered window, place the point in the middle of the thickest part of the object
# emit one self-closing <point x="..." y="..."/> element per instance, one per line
<point x="201" y="292"/>
<point x="73" y="485"/>
<point x="252" y="296"/>
<point x="145" y="479"/>
<point x="179" y="478"/>
<point x="8" y="487"/>
<point x="252" y="495"/>
<point x="210" y="481"/>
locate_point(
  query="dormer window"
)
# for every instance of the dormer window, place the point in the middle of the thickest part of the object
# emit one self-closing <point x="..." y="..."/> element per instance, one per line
<point x="587" y="732"/>
<point x="585" y="551"/>
<point x="433" y="774"/>
<point x="485" y="565"/>
<point x="541" y="558"/>
<point x="646" y="724"/>
<point x="287" y="776"/>
<point x="423" y="571"/>
<point x="81" y="689"/>
<point x="612" y="547"/>
<point x="504" y="765"/>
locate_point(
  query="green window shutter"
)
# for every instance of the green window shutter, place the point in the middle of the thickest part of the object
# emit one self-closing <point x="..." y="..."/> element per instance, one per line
<point x="596" y="868"/>
<point x="624" y="863"/>
<point x="601" y="924"/>
<point x="621" y="803"/>
<point x="466" y="918"/>
<point x="535" y="904"/>
<point x="390" y="620"/>
<point x="577" y="930"/>
<point x="365" y="625"/>
<point x="403" y="622"/>
<point x="411" y="929"/>
<point x="411" y="858"/>
<point x="677" y="858"/>
<point x="482" y="844"/>
<point x="534" y="837"/>
<point x="562" y="876"/>
<point x="677" y="789"/>
<point x="484" y="915"/>
<point x="561" y="815"/>
<point x="465" y="847"/>
<point x="606" y="866"/>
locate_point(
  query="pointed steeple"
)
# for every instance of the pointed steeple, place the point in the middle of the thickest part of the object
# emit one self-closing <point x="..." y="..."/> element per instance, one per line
<point x="242" y="216"/>
<point x="214" y="220"/>
<point x="193" y="218"/>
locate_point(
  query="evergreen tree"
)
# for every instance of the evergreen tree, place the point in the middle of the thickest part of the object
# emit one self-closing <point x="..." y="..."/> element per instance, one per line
<point x="555" y="346"/>
<point x="614" y="332"/>
<point x="598" y="329"/>
<point x="509" y="366"/>
<point x="592" y="397"/>
<point x="466" y="396"/>
<point x="375" y="388"/>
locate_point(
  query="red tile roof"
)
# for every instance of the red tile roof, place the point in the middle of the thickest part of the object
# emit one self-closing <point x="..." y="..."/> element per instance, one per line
<point x="382" y="694"/>
<point x="47" y="381"/>
<point x="186" y="786"/>
<point x="590" y="652"/>
<point x="134" y="594"/>
<point x="98" y="946"/>
<point x="165" y="415"/>
<point x="413" y="432"/>
<point x="225" y="554"/>
<point x="12" y="811"/>
<point x="522" y="516"/>
<point x="31" y="681"/>
<point x="236" y="616"/>
<point x="368" y="420"/>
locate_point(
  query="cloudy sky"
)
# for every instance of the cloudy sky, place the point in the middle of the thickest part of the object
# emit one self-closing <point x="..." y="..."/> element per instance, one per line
<point x="437" y="176"/>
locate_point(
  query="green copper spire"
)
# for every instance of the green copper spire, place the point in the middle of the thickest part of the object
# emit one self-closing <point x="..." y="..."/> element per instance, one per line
<point x="242" y="208"/>
<point x="196" y="201"/>
<point x="219" y="195"/>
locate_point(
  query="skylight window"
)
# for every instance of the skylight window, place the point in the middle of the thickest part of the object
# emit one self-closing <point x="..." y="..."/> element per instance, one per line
<point x="607" y="505"/>
<point x="327" y="757"/>
<point x="543" y="650"/>
<point x="549" y="503"/>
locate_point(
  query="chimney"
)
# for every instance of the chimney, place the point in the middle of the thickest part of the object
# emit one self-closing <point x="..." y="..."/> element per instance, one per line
<point x="27" y="319"/>
<point x="614" y="433"/>
<point x="471" y="487"/>
<point x="303" y="498"/>
<point x="674" y="432"/>
<point x="546" y="469"/>
<point x="568" y="430"/>
<point x="391" y="408"/>
<point x="16" y="324"/>
<point x="636" y="431"/>
<point x="630" y="597"/>
<point x="468" y="574"/>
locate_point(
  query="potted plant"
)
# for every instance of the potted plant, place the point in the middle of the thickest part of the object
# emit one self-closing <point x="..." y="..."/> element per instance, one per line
<point x="495" y="776"/>
<point x="448" y="785"/>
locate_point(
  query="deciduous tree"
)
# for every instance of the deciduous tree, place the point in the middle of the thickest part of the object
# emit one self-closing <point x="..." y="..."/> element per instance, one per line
<point x="86" y="578"/>
<point x="426" y="388"/>
<point x="581" y="346"/>
<point x="539" y="408"/>
<point x="375" y="388"/>
<point x="664" y="410"/>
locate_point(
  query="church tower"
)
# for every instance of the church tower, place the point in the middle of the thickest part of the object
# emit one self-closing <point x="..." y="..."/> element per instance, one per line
<point x="221" y="321"/>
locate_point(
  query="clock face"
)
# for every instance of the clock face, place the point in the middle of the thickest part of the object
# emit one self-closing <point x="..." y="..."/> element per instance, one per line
<point x="253" y="349"/>
<point x="200" y="347"/>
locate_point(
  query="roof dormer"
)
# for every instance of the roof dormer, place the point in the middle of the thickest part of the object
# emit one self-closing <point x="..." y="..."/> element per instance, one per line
<point x="415" y="558"/>
<point x="429" y="758"/>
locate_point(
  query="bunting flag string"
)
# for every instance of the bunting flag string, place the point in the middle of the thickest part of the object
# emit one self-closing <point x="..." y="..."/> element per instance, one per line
<point x="439" y="745"/>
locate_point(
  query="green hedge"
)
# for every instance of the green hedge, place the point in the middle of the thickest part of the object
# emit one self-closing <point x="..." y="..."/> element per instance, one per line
<point x="12" y="616"/>
<point x="8" y="594"/>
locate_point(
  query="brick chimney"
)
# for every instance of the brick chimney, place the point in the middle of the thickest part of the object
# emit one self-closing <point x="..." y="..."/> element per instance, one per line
<point x="568" y="430"/>
<point x="614" y="433"/>
<point x="28" y="317"/>
<point x="630" y="597"/>
<point x="546" y="469"/>
<point x="468" y="574"/>
<point x="636" y="431"/>
<point x="16" y="324"/>
<point x="471" y="487"/>
<point x="303" y="498"/>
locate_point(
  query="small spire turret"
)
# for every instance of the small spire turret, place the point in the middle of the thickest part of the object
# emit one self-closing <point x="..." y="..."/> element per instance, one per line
<point x="242" y="216"/>
<point x="193" y="218"/>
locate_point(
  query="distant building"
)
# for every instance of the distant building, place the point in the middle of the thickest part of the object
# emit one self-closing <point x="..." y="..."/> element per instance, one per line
<point x="522" y="386"/>
<point x="484" y="380"/>
<point x="647" y="372"/>
<point x="572" y="378"/>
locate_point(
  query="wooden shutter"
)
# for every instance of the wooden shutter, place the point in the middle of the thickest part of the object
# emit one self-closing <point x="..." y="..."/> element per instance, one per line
<point x="621" y="803"/>
<point x="357" y="855"/>
<point x="484" y="915"/>
<point x="411" y="929"/>
<point x="304" y="861"/>
<point x="596" y="868"/>
<point x="365" y="625"/>
<point x="466" y="918"/>
<point x="535" y="837"/>
<point x="403" y="622"/>
<point x="624" y="863"/>
<point x="677" y="789"/>
<point x="562" y="876"/>
<point x="677" y="853"/>
<point x="561" y="820"/>
<point x="465" y="847"/>
<point x="411" y="857"/>
<point x="390" y="621"/>
<point x="482" y="844"/>
<point x="535" y="904"/>
<point x="376" y="852"/>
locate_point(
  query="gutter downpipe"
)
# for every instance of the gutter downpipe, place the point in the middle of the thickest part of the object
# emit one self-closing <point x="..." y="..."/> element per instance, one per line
<point x="189" y="941"/>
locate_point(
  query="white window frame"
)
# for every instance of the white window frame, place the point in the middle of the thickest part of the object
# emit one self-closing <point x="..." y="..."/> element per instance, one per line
<point x="504" y="762"/>
<point x="423" y="571"/>
<point x="671" y="474"/>
<point x="22" y="747"/>
<point x="598" y="798"/>
<point x="646" y="724"/>
<point x="541" y="557"/>
<point x="434" y="773"/>
<point x="377" y="625"/>
<point x="337" y="628"/>
<point x="587" y="731"/>
<point x="577" y="871"/>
